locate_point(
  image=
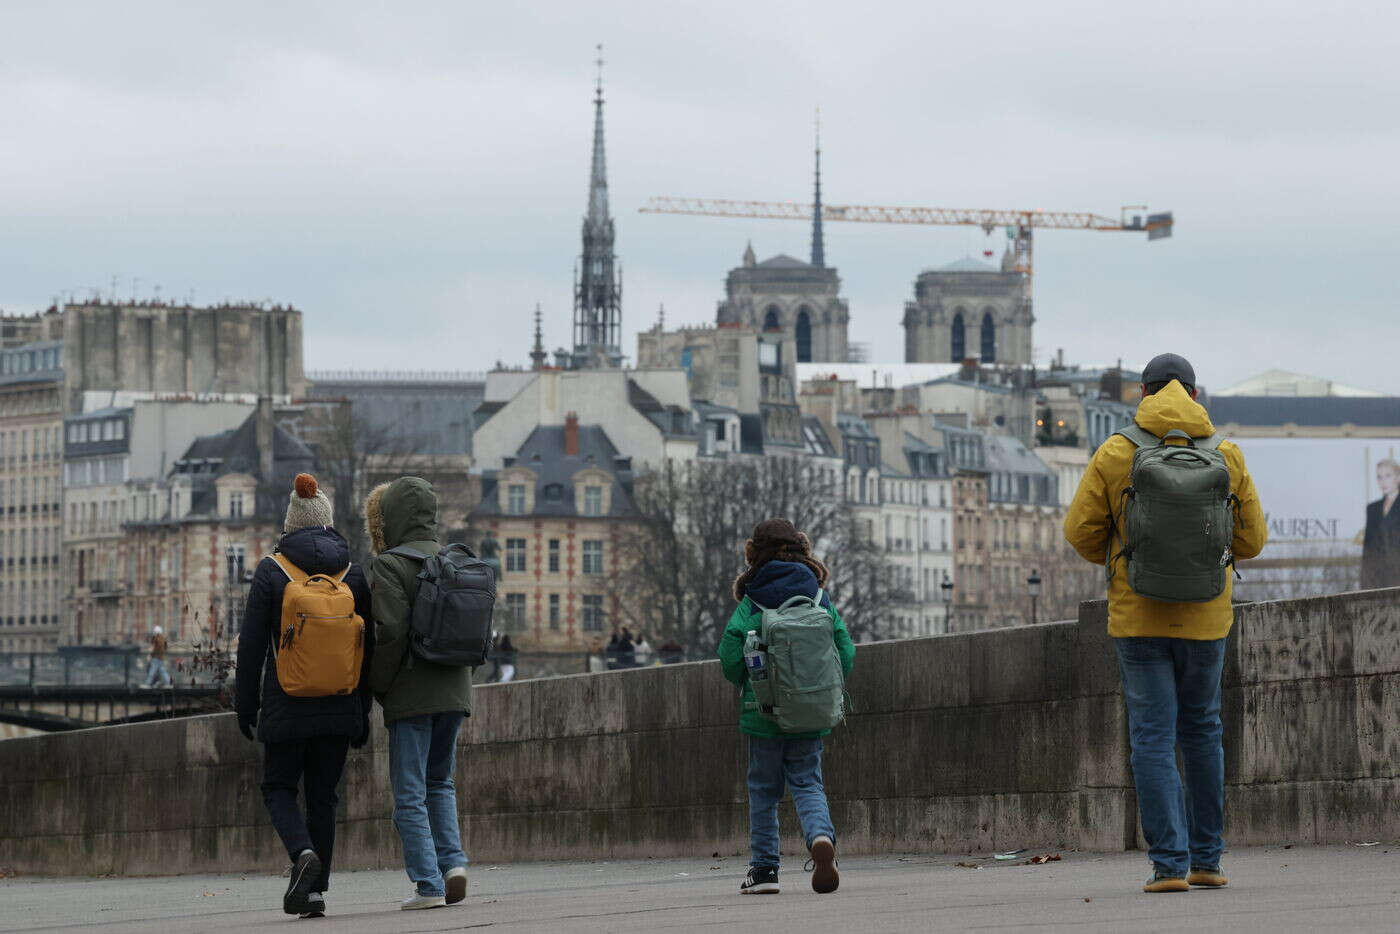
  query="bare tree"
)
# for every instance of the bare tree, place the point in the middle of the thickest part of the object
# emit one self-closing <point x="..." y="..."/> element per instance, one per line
<point x="350" y="452"/>
<point x="679" y="558"/>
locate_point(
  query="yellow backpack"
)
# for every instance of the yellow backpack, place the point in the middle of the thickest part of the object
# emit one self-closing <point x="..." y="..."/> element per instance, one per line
<point x="321" y="645"/>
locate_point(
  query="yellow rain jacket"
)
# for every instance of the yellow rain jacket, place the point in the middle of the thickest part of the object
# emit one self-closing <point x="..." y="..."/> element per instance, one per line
<point x="1098" y="508"/>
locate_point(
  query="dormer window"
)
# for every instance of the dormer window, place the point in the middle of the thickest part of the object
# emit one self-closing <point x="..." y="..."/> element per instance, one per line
<point x="235" y="505"/>
<point x="515" y="499"/>
<point x="592" y="500"/>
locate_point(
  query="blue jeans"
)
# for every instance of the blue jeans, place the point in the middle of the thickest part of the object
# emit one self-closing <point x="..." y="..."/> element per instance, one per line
<point x="775" y="762"/>
<point x="1172" y="691"/>
<point x="421" y="753"/>
<point x="156" y="671"/>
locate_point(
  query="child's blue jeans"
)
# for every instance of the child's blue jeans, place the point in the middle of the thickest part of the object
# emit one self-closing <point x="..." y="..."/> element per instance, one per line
<point x="775" y="762"/>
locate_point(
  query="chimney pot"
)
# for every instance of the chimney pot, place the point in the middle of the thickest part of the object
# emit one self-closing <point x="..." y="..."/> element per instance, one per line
<point x="571" y="435"/>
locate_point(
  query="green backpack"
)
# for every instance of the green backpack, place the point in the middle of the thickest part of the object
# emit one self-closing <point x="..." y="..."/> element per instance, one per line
<point x="804" y="691"/>
<point x="1179" y="519"/>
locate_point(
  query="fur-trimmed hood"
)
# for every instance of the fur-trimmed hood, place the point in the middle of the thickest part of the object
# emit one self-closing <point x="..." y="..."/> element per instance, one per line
<point x="404" y="510"/>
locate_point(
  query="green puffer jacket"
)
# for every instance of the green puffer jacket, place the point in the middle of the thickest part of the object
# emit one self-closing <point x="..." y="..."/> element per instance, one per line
<point x="731" y="657"/>
<point x="405" y="513"/>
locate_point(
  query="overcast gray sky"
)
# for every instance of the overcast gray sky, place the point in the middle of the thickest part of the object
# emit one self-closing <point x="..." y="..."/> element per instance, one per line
<point x="412" y="176"/>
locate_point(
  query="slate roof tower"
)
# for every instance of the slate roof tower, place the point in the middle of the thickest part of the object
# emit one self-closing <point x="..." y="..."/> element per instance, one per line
<point x="598" y="280"/>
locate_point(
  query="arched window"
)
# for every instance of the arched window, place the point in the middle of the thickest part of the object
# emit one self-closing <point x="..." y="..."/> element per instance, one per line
<point x="989" y="338"/>
<point x="804" y="337"/>
<point x="770" y="320"/>
<point x="959" y="339"/>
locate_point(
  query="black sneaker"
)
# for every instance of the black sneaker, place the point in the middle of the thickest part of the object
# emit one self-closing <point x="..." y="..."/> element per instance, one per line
<point x="306" y="872"/>
<point x="316" y="903"/>
<point x="761" y="880"/>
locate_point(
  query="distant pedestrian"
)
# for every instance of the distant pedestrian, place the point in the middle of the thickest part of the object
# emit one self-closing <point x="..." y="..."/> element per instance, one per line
<point x="781" y="567"/>
<point x="424" y="702"/>
<point x="505" y="658"/>
<point x="672" y="652"/>
<point x="1168" y="506"/>
<point x="626" y="650"/>
<point x="641" y="652"/>
<point x="156" y="672"/>
<point x="614" y="651"/>
<point x="306" y="728"/>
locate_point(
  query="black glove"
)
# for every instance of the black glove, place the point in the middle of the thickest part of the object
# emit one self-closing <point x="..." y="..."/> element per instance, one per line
<point x="246" y="724"/>
<point x="359" y="741"/>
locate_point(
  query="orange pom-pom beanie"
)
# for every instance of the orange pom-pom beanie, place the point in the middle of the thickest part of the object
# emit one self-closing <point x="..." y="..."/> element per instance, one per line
<point x="307" y="507"/>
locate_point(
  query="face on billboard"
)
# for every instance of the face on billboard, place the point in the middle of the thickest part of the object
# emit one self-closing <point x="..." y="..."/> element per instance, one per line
<point x="1315" y="490"/>
<point x="1388" y="478"/>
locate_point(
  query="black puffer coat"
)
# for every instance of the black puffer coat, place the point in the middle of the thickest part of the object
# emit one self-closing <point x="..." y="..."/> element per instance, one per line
<point x="282" y="718"/>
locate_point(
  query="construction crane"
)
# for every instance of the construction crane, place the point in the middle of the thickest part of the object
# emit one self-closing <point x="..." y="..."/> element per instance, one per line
<point x="1018" y="224"/>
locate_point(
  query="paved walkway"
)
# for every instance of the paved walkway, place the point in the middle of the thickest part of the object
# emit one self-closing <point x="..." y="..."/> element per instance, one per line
<point x="1336" y="889"/>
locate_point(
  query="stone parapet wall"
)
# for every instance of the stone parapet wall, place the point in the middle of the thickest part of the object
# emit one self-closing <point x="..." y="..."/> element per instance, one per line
<point x="969" y="742"/>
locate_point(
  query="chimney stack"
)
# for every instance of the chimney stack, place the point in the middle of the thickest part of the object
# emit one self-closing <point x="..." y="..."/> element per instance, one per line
<point x="571" y="435"/>
<point x="266" y="431"/>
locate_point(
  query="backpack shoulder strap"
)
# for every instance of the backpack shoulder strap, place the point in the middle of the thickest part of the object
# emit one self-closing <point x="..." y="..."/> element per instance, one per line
<point x="340" y="578"/>
<point x="1139" y="436"/>
<point x="1210" y="444"/>
<point x="407" y="552"/>
<point x="294" y="573"/>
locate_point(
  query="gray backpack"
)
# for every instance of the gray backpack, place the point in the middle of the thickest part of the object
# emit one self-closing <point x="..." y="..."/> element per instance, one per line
<point x="451" y="619"/>
<point x="805" y="690"/>
<point x="1179" y="519"/>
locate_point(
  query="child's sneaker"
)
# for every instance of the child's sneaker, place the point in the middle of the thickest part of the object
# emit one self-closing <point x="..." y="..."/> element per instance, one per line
<point x="825" y="878"/>
<point x="419" y="902"/>
<point x="761" y="880"/>
<point x="1165" y="882"/>
<point x="1209" y="877"/>
<point x="455" y="881"/>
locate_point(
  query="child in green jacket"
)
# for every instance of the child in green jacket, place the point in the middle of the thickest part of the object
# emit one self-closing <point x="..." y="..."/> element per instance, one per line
<point x="781" y="566"/>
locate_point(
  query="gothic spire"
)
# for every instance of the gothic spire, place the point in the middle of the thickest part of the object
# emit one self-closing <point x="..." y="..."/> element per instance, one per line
<point x="538" y="357"/>
<point x="598" y="278"/>
<point x="598" y="178"/>
<point x="818" y="247"/>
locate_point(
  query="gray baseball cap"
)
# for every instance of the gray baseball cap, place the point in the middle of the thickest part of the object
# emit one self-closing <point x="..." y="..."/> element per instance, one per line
<point x="1166" y="367"/>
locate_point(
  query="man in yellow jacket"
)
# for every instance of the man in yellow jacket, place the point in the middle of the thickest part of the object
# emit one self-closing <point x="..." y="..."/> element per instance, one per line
<point x="1170" y="654"/>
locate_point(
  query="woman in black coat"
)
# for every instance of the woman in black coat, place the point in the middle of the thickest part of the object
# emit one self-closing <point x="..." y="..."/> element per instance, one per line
<point x="305" y="739"/>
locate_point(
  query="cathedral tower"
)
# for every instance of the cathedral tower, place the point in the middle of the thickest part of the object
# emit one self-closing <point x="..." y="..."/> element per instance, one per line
<point x="794" y="303"/>
<point x="598" y="280"/>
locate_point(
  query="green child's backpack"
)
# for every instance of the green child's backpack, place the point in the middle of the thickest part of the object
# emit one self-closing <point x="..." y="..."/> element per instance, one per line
<point x="804" y="691"/>
<point x="1179" y="519"/>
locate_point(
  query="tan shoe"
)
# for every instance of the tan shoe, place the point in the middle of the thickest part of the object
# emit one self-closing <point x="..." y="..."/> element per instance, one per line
<point x="1209" y="878"/>
<point x="1165" y="883"/>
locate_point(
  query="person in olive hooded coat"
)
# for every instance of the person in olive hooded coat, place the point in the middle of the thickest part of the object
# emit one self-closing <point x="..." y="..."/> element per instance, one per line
<point x="424" y="703"/>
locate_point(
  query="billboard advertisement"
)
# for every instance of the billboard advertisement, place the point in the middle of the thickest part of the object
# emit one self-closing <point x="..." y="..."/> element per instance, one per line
<point x="1329" y="507"/>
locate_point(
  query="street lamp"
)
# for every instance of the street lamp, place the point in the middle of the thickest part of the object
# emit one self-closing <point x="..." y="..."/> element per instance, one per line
<point x="947" y="590"/>
<point x="1033" y="588"/>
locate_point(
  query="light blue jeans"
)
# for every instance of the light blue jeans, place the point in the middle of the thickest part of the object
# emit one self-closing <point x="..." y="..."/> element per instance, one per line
<point x="775" y="763"/>
<point x="1172" y="691"/>
<point x="421" y="760"/>
<point x="156" y="671"/>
